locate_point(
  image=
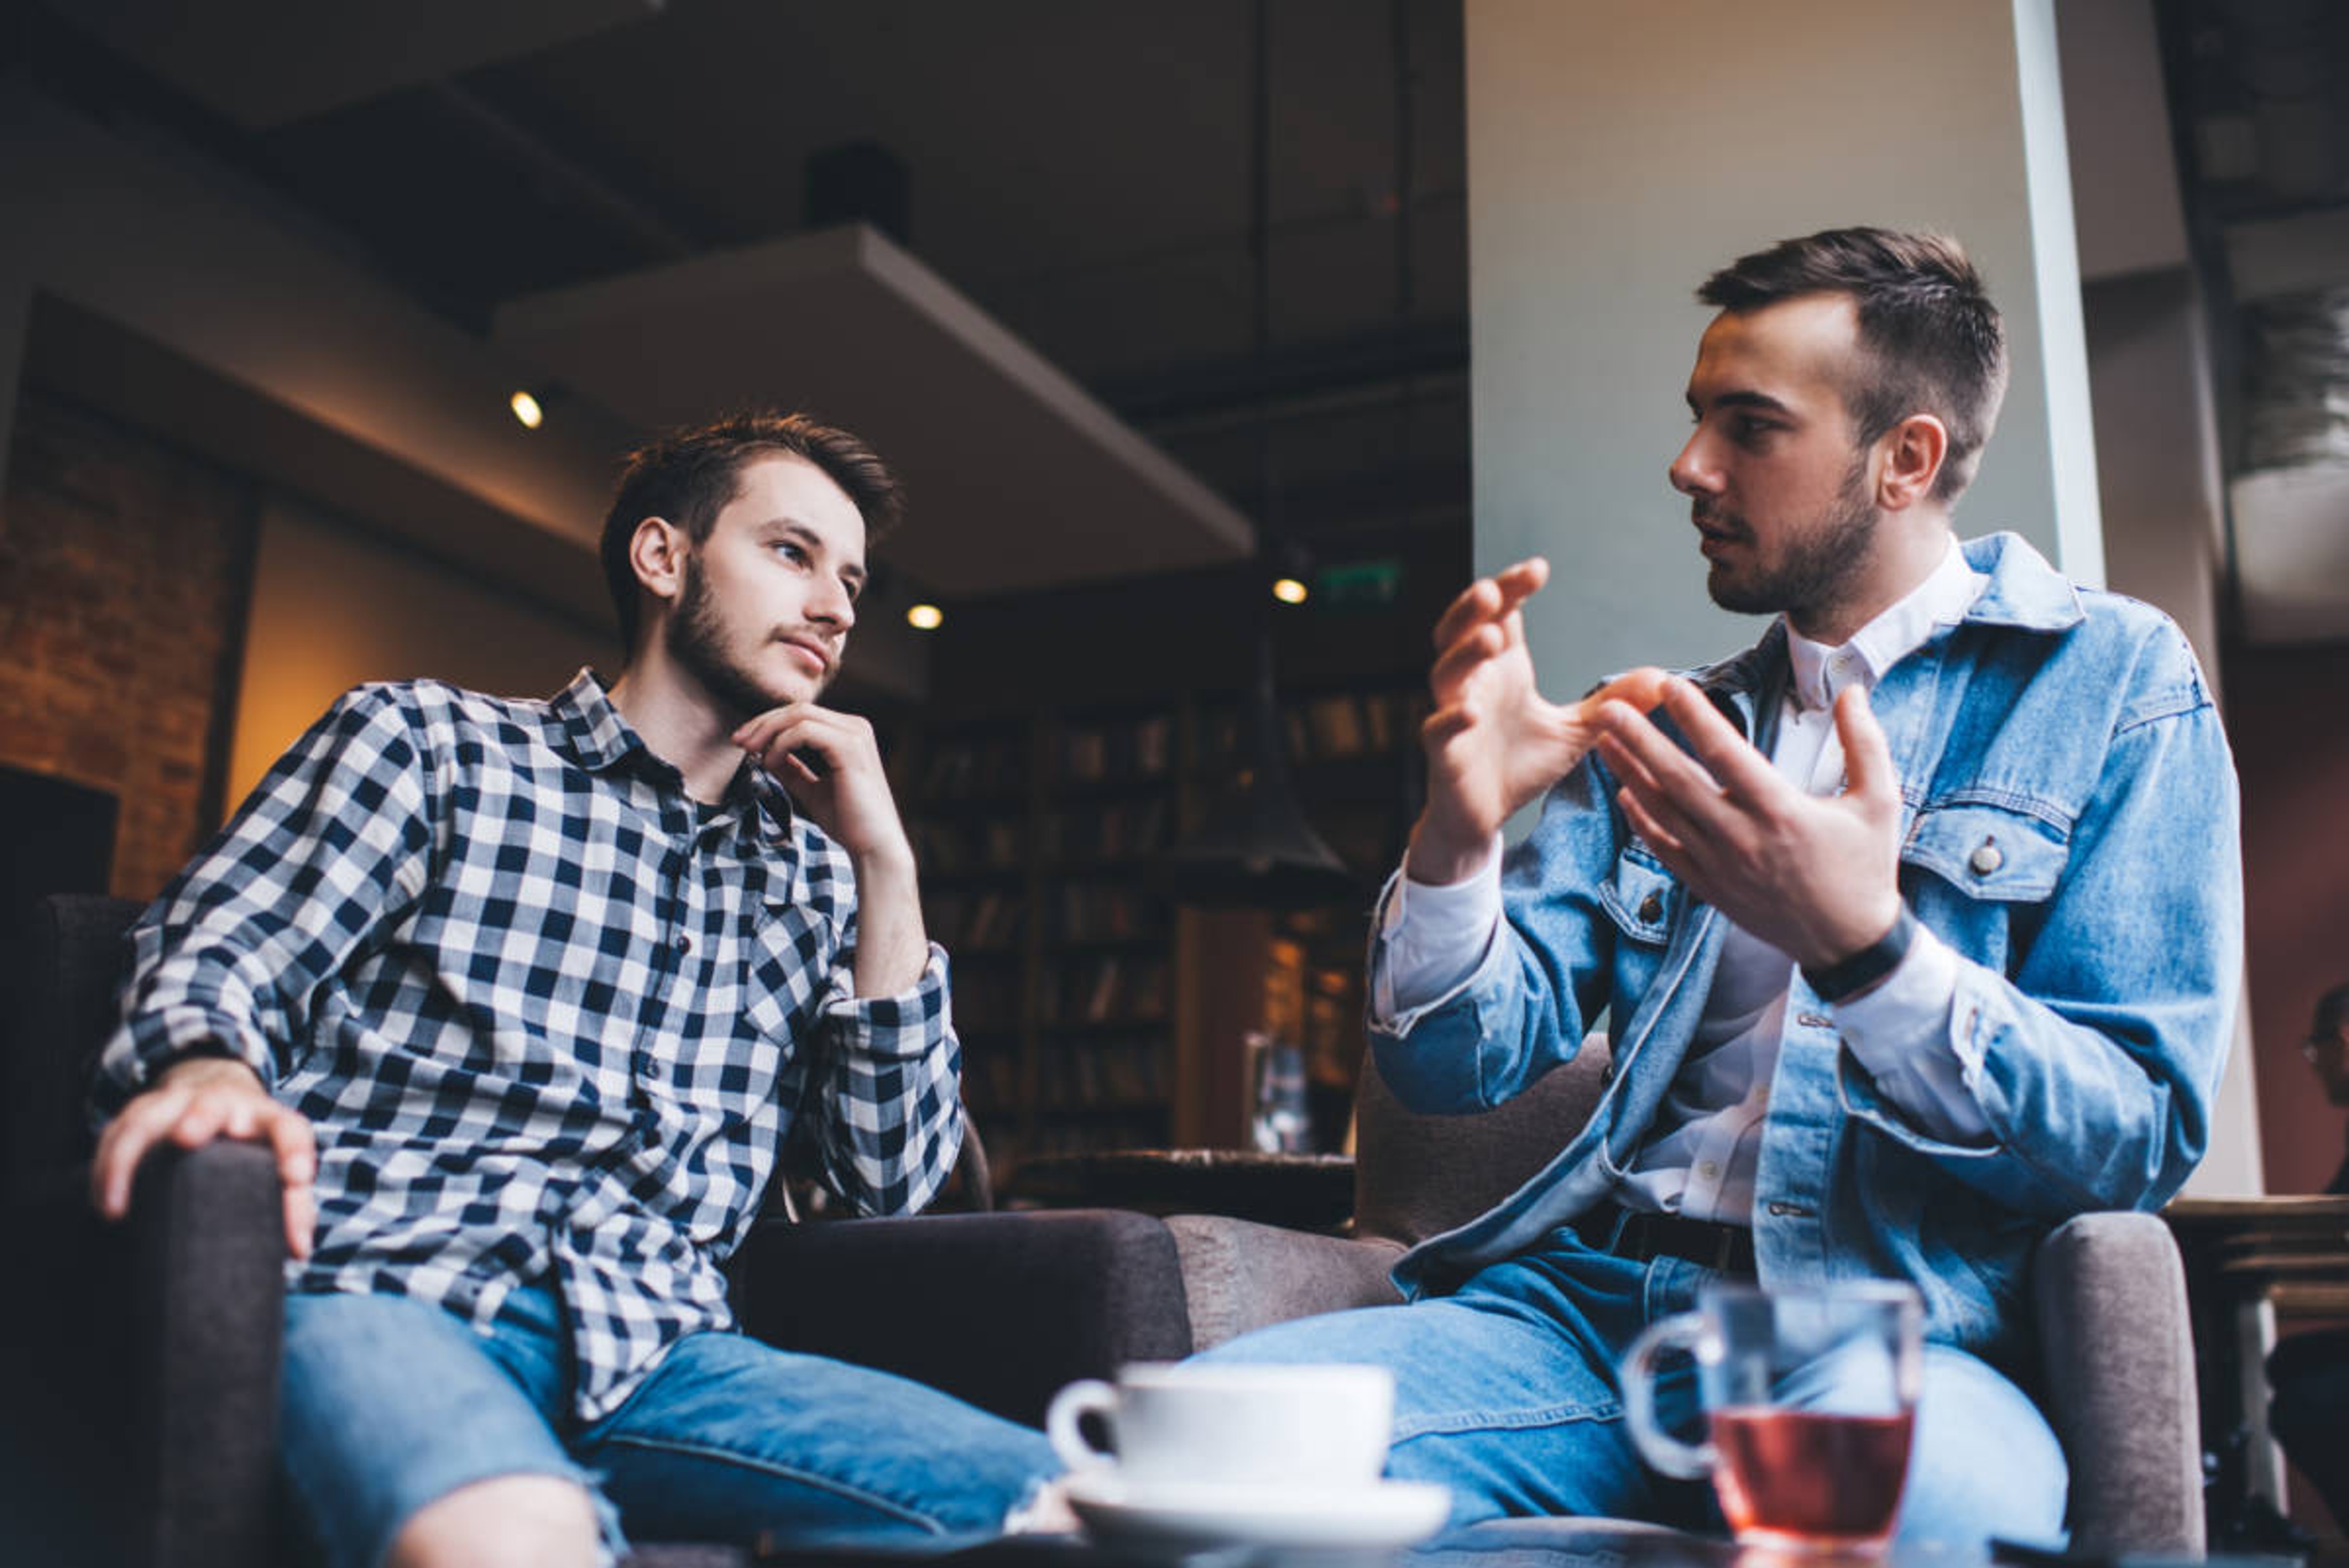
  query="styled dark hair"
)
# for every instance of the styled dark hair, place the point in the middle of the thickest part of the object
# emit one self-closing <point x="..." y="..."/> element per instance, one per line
<point x="688" y="475"/>
<point x="1931" y="340"/>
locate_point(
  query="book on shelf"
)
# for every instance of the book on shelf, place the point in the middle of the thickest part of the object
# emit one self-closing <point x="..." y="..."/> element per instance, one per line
<point x="967" y="766"/>
<point x="1335" y="726"/>
<point x="1097" y="751"/>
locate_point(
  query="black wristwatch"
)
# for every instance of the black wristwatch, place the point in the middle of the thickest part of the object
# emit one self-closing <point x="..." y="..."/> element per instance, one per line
<point x="1871" y="964"/>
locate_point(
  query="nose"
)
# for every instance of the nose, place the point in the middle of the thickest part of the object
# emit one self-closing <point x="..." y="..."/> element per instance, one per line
<point x="832" y="606"/>
<point x="1693" y="472"/>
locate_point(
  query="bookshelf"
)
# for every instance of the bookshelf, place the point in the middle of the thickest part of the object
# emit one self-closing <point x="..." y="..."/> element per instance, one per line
<point x="1095" y="1013"/>
<point x="1069" y="739"/>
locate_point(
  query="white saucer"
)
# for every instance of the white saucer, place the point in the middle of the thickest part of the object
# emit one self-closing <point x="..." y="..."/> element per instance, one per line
<point x="1387" y="1513"/>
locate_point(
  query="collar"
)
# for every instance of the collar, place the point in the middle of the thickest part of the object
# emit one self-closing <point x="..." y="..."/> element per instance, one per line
<point x="593" y="730"/>
<point x="600" y="738"/>
<point x="1820" y="672"/>
<point x="2025" y="591"/>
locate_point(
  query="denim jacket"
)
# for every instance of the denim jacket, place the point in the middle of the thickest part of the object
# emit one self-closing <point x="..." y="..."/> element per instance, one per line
<point x="2069" y="829"/>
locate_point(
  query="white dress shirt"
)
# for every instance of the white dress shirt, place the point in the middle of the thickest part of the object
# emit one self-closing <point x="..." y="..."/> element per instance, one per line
<point x="1700" y="1156"/>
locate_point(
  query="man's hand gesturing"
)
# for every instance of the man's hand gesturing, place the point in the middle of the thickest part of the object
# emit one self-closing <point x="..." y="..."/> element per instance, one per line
<point x="1816" y="876"/>
<point x="197" y="1101"/>
<point x="1494" y="743"/>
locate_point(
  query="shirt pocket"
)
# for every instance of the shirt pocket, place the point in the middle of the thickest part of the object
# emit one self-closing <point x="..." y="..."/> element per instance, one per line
<point x="787" y="970"/>
<point x="1642" y="898"/>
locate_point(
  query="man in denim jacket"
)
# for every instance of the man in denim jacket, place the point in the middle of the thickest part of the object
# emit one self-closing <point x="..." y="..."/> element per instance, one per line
<point x="1916" y="926"/>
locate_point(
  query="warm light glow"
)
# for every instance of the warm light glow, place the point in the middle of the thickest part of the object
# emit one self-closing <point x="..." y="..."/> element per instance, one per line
<point x="924" y="617"/>
<point x="1289" y="591"/>
<point x="525" y="409"/>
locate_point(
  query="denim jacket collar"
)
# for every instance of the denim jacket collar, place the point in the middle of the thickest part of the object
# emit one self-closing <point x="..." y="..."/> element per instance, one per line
<point x="2025" y="591"/>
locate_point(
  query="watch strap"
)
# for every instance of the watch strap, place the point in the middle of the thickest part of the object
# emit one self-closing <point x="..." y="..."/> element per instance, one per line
<point x="1863" y="969"/>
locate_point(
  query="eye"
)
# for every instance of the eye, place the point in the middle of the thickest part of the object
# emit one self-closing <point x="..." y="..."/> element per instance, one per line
<point x="1748" y="431"/>
<point x="791" y="552"/>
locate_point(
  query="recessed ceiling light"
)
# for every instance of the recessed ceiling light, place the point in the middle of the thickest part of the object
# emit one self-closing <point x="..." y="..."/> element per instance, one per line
<point x="525" y="409"/>
<point x="924" y="617"/>
<point x="1289" y="591"/>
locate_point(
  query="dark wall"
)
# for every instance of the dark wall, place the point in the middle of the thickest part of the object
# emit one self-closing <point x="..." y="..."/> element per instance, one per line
<point x="2288" y="716"/>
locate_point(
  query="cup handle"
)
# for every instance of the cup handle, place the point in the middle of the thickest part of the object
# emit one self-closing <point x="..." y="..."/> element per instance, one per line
<point x="1688" y="1461"/>
<point x="1086" y="1396"/>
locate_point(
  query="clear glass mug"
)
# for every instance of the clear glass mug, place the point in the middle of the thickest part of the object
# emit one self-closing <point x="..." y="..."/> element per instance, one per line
<point x="1810" y="1400"/>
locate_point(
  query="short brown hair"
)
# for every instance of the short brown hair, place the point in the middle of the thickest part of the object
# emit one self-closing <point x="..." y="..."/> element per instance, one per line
<point x="1931" y="339"/>
<point x="688" y="475"/>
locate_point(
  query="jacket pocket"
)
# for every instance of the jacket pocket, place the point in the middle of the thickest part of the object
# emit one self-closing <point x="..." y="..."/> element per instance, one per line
<point x="1642" y="898"/>
<point x="1987" y="852"/>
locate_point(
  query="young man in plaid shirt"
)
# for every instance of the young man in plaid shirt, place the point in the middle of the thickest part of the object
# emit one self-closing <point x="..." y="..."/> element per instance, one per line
<point x="529" y="997"/>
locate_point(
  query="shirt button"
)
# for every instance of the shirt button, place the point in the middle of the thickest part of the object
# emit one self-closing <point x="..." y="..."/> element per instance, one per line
<point x="1814" y="1021"/>
<point x="1652" y="907"/>
<point x="684" y="944"/>
<point x="1707" y="1169"/>
<point x="1986" y="858"/>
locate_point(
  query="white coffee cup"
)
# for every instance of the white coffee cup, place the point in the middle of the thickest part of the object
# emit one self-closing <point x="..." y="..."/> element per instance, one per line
<point x="1320" y="1427"/>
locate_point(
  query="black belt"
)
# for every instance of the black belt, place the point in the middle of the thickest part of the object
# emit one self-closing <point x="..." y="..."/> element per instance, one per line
<point x="1644" y="1234"/>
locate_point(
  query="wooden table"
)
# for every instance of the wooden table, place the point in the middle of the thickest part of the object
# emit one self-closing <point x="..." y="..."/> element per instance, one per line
<point x="2249" y="1262"/>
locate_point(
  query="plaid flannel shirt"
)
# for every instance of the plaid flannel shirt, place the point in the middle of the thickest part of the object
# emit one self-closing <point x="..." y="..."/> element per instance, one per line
<point x="552" y="1020"/>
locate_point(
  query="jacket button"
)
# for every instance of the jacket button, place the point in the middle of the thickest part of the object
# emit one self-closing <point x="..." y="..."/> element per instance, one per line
<point x="1987" y="857"/>
<point x="1652" y="907"/>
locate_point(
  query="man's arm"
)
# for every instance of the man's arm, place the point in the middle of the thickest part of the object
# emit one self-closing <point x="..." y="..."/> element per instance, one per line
<point x="2093" y="1058"/>
<point x="849" y="797"/>
<point x="1494" y="746"/>
<point x="886" y="1111"/>
<point x="331" y="841"/>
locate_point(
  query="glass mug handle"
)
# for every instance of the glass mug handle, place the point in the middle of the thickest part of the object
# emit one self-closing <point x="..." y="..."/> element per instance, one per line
<point x="1688" y="1461"/>
<point x="1086" y="1396"/>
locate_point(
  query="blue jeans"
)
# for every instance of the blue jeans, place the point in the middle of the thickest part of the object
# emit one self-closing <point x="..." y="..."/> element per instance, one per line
<point x="1506" y="1392"/>
<point x="388" y="1404"/>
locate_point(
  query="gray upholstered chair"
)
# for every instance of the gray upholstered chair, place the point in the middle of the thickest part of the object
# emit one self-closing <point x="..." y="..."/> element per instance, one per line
<point x="138" y="1363"/>
<point x="2115" y="1336"/>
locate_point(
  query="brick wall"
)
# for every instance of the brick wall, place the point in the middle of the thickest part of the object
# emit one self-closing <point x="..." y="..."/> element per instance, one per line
<point x="124" y="568"/>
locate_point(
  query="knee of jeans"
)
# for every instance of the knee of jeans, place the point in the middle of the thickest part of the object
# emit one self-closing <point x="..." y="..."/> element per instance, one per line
<point x="513" y="1515"/>
<point x="1985" y="1463"/>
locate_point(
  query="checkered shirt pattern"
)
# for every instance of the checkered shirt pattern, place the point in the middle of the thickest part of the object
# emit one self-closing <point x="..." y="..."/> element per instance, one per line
<point x="552" y="1020"/>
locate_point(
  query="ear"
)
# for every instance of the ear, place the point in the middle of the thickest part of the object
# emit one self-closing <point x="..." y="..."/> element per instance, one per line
<point x="656" y="551"/>
<point x="1913" y="451"/>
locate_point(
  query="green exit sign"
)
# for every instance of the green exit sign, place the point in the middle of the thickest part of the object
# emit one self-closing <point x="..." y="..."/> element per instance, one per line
<point x="1359" y="584"/>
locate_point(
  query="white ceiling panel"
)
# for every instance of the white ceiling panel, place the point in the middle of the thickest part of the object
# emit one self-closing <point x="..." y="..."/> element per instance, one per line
<point x="1016" y="477"/>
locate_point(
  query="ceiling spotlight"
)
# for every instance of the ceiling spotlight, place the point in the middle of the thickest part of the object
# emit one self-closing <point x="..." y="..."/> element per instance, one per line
<point x="924" y="617"/>
<point x="526" y="409"/>
<point x="1288" y="590"/>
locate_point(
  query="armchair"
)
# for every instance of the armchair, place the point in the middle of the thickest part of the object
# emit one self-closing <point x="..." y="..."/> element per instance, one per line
<point x="2108" y="1291"/>
<point x="138" y="1363"/>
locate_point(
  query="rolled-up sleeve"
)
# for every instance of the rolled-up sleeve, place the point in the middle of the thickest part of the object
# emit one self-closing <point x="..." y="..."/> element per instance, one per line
<point x="887" y="1121"/>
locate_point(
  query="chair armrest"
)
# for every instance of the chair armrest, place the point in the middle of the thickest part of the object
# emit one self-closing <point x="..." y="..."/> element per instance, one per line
<point x="154" y="1346"/>
<point x="2119" y="1349"/>
<point x="1239" y="1275"/>
<point x="1302" y="1191"/>
<point x="998" y="1309"/>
